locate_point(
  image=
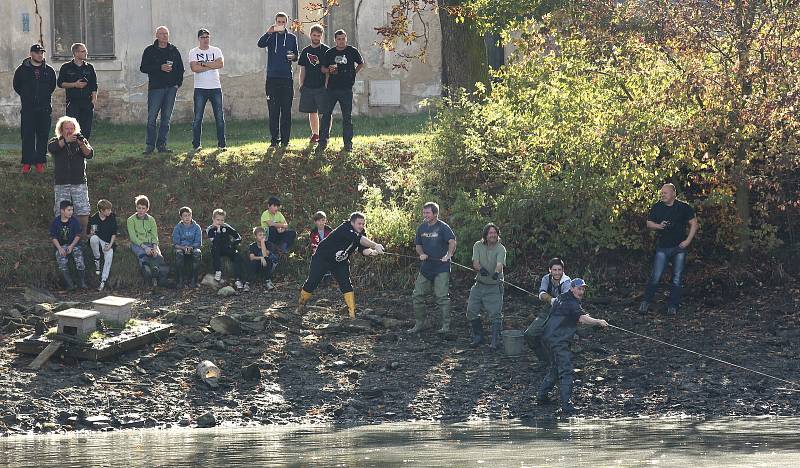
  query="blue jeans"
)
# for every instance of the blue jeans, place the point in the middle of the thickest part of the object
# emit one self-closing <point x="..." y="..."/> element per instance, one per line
<point x="201" y="97"/>
<point x="663" y="255"/>
<point x="345" y="99"/>
<point x="159" y="101"/>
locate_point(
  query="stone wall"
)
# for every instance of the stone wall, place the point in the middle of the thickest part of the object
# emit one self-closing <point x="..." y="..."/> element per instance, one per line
<point x="235" y="28"/>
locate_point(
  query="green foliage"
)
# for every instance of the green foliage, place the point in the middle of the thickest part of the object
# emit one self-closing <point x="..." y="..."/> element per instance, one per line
<point x="563" y="154"/>
<point x="386" y="222"/>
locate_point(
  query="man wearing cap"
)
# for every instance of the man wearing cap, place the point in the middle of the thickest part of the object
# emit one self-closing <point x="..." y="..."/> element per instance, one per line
<point x="35" y="81"/>
<point x="566" y="314"/>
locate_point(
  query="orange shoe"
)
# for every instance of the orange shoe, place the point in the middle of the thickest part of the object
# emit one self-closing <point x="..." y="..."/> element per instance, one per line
<point x="40" y="168"/>
<point x="26" y="168"/>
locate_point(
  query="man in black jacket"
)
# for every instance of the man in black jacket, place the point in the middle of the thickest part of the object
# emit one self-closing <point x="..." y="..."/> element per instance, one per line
<point x="559" y="329"/>
<point x="163" y="65"/>
<point x="332" y="255"/>
<point x="35" y="81"/>
<point x="79" y="80"/>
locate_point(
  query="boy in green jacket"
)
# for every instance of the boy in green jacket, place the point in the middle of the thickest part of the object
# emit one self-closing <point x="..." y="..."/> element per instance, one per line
<point x="143" y="233"/>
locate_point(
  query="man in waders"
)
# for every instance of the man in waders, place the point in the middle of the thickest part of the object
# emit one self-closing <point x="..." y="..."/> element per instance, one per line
<point x="333" y="255"/>
<point x="488" y="259"/>
<point x="435" y="244"/>
<point x="552" y="285"/>
<point x="565" y="315"/>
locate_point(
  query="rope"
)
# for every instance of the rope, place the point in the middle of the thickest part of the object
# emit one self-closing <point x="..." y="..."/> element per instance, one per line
<point x="464" y="267"/>
<point x="706" y="356"/>
<point x="728" y="363"/>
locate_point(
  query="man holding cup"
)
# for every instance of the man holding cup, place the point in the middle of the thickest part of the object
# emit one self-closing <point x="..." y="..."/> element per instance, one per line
<point x="341" y="63"/>
<point x="282" y="50"/>
<point x="163" y="65"/>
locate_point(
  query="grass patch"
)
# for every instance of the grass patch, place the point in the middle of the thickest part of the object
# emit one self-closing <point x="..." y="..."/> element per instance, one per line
<point x="117" y="141"/>
<point x="239" y="180"/>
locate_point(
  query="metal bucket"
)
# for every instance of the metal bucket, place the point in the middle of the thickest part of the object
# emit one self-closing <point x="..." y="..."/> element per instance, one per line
<point x="513" y="342"/>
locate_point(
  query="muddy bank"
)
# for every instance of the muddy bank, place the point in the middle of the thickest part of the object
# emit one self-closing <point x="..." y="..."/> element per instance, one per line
<point x="321" y="367"/>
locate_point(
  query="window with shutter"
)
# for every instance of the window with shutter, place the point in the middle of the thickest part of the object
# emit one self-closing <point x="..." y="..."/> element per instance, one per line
<point x="87" y="21"/>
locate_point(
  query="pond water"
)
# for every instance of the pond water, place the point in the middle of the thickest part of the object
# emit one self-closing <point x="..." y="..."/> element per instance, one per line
<point x="751" y="442"/>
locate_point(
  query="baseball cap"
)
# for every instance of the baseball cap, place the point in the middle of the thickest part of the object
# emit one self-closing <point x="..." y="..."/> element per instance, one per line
<point x="577" y="283"/>
<point x="37" y="48"/>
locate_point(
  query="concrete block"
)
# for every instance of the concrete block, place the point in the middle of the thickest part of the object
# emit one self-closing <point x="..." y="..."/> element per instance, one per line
<point x="114" y="308"/>
<point x="77" y="322"/>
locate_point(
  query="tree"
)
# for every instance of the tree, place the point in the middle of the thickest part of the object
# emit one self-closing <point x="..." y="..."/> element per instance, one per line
<point x="464" y="60"/>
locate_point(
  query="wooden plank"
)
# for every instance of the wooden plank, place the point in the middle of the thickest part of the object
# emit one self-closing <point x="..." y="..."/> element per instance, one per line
<point x="45" y="355"/>
<point x="34" y="344"/>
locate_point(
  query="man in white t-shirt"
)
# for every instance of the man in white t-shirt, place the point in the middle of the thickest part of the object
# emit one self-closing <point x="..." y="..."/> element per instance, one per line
<point x="205" y="61"/>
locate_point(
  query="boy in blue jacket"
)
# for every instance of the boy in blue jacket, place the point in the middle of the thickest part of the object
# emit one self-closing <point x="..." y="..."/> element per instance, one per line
<point x="282" y="50"/>
<point x="187" y="237"/>
<point x="65" y="234"/>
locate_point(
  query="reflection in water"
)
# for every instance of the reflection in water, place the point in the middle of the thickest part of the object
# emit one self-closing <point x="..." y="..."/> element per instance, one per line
<point x="751" y="442"/>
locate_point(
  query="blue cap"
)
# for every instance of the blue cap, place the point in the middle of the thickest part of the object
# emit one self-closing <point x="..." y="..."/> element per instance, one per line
<point x="577" y="283"/>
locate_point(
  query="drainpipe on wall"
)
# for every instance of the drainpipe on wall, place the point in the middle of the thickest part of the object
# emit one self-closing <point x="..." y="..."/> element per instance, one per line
<point x="39" y="15"/>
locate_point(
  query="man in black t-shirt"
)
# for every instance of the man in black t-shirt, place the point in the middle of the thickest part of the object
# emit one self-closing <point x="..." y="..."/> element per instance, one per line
<point x="79" y="80"/>
<point x="333" y="255"/>
<point x="341" y="64"/>
<point x="669" y="218"/>
<point x="312" y="80"/>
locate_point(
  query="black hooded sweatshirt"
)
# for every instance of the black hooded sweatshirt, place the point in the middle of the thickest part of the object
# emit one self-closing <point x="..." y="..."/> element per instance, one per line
<point x="35" y="94"/>
<point x="152" y="59"/>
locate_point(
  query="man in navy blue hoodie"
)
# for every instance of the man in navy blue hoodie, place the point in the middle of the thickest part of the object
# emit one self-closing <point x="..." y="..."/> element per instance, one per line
<point x="282" y="50"/>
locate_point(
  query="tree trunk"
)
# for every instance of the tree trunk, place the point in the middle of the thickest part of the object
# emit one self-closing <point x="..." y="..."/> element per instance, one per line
<point x="744" y="17"/>
<point x="464" y="60"/>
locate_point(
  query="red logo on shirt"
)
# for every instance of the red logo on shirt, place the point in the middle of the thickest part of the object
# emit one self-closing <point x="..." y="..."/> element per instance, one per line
<point x="313" y="59"/>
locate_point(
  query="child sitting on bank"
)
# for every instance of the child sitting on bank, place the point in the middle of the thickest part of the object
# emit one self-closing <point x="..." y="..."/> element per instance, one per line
<point x="187" y="238"/>
<point x="103" y="232"/>
<point x="143" y="233"/>
<point x="321" y="232"/>
<point x="224" y="243"/>
<point x="65" y="233"/>
<point x="262" y="260"/>
<point x="278" y="232"/>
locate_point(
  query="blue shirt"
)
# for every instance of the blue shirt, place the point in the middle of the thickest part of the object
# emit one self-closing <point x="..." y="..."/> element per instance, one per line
<point x="277" y="45"/>
<point x="563" y="321"/>
<point x="65" y="232"/>
<point x="187" y="236"/>
<point x="435" y="241"/>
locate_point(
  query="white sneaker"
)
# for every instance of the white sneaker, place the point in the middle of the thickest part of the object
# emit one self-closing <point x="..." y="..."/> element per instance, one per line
<point x="102" y="285"/>
<point x="269" y="285"/>
<point x="246" y="287"/>
<point x="238" y="284"/>
<point x="218" y="276"/>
